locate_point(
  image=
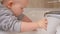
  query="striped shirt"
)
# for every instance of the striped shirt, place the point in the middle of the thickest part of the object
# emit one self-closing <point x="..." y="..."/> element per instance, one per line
<point x="8" y="22"/>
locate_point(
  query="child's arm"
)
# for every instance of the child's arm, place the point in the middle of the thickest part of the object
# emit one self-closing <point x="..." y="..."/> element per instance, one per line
<point x="32" y="26"/>
<point x="25" y="26"/>
<point x="10" y="23"/>
<point x="26" y="19"/>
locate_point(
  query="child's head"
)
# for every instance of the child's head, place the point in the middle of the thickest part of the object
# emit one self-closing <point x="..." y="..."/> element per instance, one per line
<point x="15" y="5"/>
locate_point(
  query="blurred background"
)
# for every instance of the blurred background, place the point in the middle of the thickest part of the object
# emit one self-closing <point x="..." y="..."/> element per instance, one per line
<point x="36" y="9"/>
<point x="44" y="4"/>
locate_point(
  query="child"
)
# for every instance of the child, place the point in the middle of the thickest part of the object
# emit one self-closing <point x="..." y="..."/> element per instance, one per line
<point x="10" y="11"/>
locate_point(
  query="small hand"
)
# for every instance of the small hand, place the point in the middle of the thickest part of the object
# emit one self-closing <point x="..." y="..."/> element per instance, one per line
<point x="43" y="23"/>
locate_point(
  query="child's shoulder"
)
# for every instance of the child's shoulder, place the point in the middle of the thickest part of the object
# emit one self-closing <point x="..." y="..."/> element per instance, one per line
<point x="4" y="10"/>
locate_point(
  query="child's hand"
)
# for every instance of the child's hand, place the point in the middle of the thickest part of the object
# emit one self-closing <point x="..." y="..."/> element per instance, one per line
<point x="43" y="23"/>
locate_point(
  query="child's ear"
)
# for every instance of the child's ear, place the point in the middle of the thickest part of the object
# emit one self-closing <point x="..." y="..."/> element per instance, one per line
<point x="10" y="4"/>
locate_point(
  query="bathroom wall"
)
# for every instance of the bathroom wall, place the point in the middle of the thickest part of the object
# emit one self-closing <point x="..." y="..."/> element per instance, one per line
<point x="37" y="3"/>
<point x="44" y="4"/>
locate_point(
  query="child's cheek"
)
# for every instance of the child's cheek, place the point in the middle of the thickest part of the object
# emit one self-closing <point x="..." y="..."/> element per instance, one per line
<point x="17" y="10"/>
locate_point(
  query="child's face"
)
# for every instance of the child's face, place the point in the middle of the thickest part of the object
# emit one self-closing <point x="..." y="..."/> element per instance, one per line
<point x="18" y="6"/>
